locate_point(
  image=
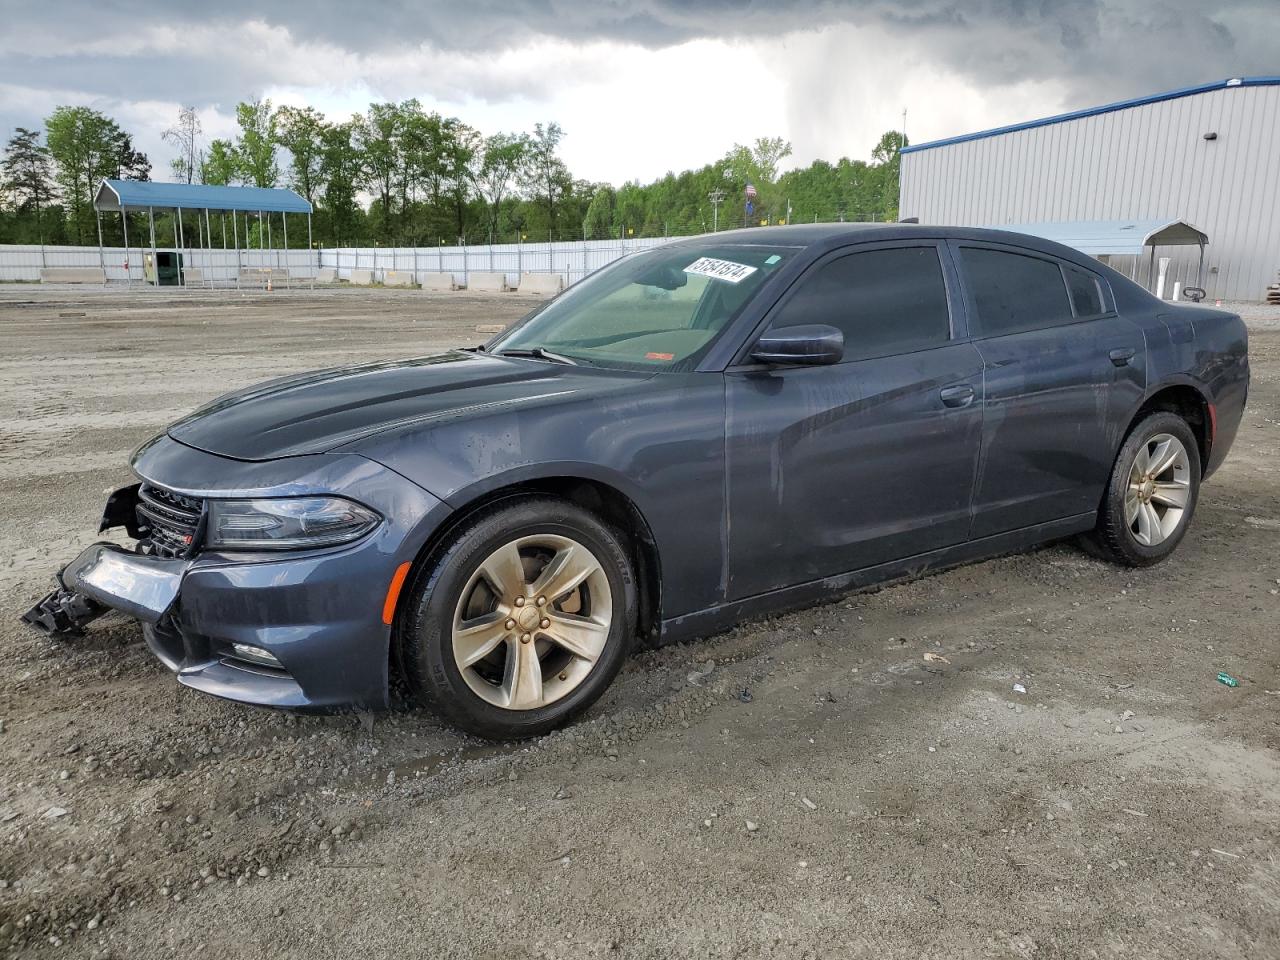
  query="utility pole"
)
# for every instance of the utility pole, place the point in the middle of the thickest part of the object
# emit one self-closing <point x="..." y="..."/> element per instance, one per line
<point x="716" y="197"/>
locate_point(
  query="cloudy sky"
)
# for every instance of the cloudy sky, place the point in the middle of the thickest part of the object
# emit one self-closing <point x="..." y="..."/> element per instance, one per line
<point x="641" y="87"/>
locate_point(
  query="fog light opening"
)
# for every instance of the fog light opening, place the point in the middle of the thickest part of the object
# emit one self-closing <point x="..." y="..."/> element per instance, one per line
<point x="257" y="655"/>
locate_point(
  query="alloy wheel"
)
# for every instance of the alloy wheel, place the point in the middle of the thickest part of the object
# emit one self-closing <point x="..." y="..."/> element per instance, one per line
<point x="532" y="621"/>
<point x="1159" y="490"/>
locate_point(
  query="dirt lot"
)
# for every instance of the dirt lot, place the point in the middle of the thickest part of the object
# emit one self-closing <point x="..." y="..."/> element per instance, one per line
<point x="864" y="802"/>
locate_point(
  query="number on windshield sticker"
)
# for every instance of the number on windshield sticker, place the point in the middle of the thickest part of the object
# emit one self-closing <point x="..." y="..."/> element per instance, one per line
<point x="720" y="269"/>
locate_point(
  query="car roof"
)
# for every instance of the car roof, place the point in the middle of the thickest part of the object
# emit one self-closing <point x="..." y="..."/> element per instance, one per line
<point x="822" y="236"/>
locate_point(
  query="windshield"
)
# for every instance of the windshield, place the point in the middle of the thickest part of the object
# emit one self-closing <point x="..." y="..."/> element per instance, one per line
<point x="657" y="310"/>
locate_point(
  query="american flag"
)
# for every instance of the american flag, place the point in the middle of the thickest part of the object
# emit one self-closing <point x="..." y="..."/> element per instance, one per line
<point x="751" y="191"/>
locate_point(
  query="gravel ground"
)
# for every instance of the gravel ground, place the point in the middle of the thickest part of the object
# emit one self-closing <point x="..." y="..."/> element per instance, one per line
<point x="884" y="791"/>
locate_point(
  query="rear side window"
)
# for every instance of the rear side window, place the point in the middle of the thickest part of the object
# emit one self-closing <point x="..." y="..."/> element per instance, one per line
<point x="1013" y="292"/>
<point x="883" y="301"/>
<point x="1085" y="290"/>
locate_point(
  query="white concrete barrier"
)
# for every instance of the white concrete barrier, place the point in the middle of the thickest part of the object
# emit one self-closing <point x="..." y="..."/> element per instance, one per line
<point x="193" y="276"/>
<point x="438" y="281"/>
<point x="363" y="278"/>
<point x="73" y="275"/>
<point x="327" y="275"/>
<point x="487" y="282"/>
<point x="397" y="278"/>
<point x="542" y="284"/>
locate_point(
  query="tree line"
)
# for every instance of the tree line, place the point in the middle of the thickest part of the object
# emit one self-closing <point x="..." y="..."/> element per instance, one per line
<point x="399" y="174"/>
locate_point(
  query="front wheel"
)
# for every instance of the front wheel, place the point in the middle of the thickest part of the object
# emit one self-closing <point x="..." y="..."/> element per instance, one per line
<point x="1151" y="495"/>
<point x="522" y="621"/>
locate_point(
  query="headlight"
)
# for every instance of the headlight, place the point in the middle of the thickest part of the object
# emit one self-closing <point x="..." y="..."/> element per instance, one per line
<point x="288" y="523"/>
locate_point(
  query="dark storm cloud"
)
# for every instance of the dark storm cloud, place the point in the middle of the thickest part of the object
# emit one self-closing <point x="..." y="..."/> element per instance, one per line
<point x="1096" y="49"/>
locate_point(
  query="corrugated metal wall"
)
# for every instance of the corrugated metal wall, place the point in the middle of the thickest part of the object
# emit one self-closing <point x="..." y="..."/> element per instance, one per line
<point x="1140" y="162"/>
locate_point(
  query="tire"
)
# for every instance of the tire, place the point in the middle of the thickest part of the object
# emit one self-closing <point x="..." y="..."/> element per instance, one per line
<point x="1152" y="533"/>
<point x="467" y="592"/>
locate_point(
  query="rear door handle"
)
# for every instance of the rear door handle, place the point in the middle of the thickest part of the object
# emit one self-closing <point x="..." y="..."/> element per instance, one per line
<point x="959" y="395"/>
<point x="1122" y="355"/>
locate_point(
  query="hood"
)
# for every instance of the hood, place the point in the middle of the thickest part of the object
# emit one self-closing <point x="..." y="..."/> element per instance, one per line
<point x="316" y="412"/>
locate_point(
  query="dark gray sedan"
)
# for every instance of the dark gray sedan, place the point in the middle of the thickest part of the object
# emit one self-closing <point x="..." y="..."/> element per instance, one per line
<point x="704" y="432"/>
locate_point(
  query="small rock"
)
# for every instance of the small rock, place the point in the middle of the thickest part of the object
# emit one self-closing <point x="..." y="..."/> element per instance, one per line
<point x="809" y="803"/>
<point x="752" y="826"/>
<point x="53" y="813"/>
<point x="263" y="872"/>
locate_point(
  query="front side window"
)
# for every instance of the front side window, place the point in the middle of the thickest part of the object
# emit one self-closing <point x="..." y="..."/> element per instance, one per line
<point x="1013" y="292"/>
<point x="884" y="301"/>
<point x="658" y="310"/>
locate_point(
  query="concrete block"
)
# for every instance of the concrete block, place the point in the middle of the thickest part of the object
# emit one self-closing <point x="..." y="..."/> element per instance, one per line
<point x="397" y="278"/>
<point x="362" y="277"/>
<point x="487" y="282"/>
<point x="194" y="276"/>
<point x="327" y="275"/>
<point x="541" y="284"/>
<point x="73" y="275"/>
<point x="437" y="281"/>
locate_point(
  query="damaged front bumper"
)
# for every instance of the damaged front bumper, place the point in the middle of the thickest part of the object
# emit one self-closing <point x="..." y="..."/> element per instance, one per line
<point x="107" y="576"/>
<point x="298" y="629"/>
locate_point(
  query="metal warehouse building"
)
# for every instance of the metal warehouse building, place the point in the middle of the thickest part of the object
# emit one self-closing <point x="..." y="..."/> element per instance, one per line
<point x="1206" y="155"/>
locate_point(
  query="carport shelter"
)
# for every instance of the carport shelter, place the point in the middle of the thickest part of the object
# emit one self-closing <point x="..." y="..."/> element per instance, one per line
<point x="1120" y="238"/>
<point x="122" y="196"/>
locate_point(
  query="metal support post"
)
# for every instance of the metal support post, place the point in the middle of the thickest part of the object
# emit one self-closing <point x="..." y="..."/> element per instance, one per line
<point x="155" y="266"/>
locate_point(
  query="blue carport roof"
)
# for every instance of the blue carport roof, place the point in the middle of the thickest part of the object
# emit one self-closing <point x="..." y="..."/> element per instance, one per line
<point x="1113" y="237"/>
<point x="140" y="194"/>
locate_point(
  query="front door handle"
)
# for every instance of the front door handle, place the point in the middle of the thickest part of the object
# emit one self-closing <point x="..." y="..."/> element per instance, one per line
<point x="959" y="395"/>
<point x="1122" y="355"/>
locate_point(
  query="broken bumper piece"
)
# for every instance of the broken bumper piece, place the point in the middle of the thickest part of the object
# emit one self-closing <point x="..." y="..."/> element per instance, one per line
<point x="106" y="576"/>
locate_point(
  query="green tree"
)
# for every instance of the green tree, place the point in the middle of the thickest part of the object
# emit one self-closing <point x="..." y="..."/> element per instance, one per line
<point x="377" y="135"/>
<point x="300" y="130"/>
<point x="88" y="146"/>
<point x="598" y="222"/>
<point x="495" y="166"/>
<point x="255" y="149"/>
<point x="26" y="176"/>
<point x="342" y="173"/>
<point x="459" y="146"/>
<point x="545" y="175"/>
<point x="220" y="166"/>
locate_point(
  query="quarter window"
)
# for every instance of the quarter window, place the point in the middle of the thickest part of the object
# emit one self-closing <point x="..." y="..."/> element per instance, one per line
<point x="883" y="301"/>
<point x="1013" y="292"/>
<point x="1085" y="290"/>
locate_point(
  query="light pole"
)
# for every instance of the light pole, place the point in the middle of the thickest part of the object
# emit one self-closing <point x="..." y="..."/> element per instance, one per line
<point x="716" y="197"/>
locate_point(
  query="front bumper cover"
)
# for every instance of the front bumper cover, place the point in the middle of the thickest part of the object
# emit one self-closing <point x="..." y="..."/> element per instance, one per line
<point x="142" y="587"/>
<point x="319" y="613"/>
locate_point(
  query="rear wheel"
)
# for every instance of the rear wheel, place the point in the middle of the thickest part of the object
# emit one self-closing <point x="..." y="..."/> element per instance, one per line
<point x="1151" y="495"/>
<point x="522" y="621"/>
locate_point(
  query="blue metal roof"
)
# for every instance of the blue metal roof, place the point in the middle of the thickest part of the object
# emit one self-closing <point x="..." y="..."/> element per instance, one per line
<point x="140" y="194"/>
<point x="1113" y="237"/>
<point x="1106" y="108"/>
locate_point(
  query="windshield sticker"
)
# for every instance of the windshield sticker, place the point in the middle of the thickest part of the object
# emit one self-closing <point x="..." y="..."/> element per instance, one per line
<point x="772" y="260"/>
<point x="659" y="356"/>
<point x="720" y="269"/>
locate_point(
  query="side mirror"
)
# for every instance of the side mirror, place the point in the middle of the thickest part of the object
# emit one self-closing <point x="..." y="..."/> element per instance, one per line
<point x="812" y="344"/>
